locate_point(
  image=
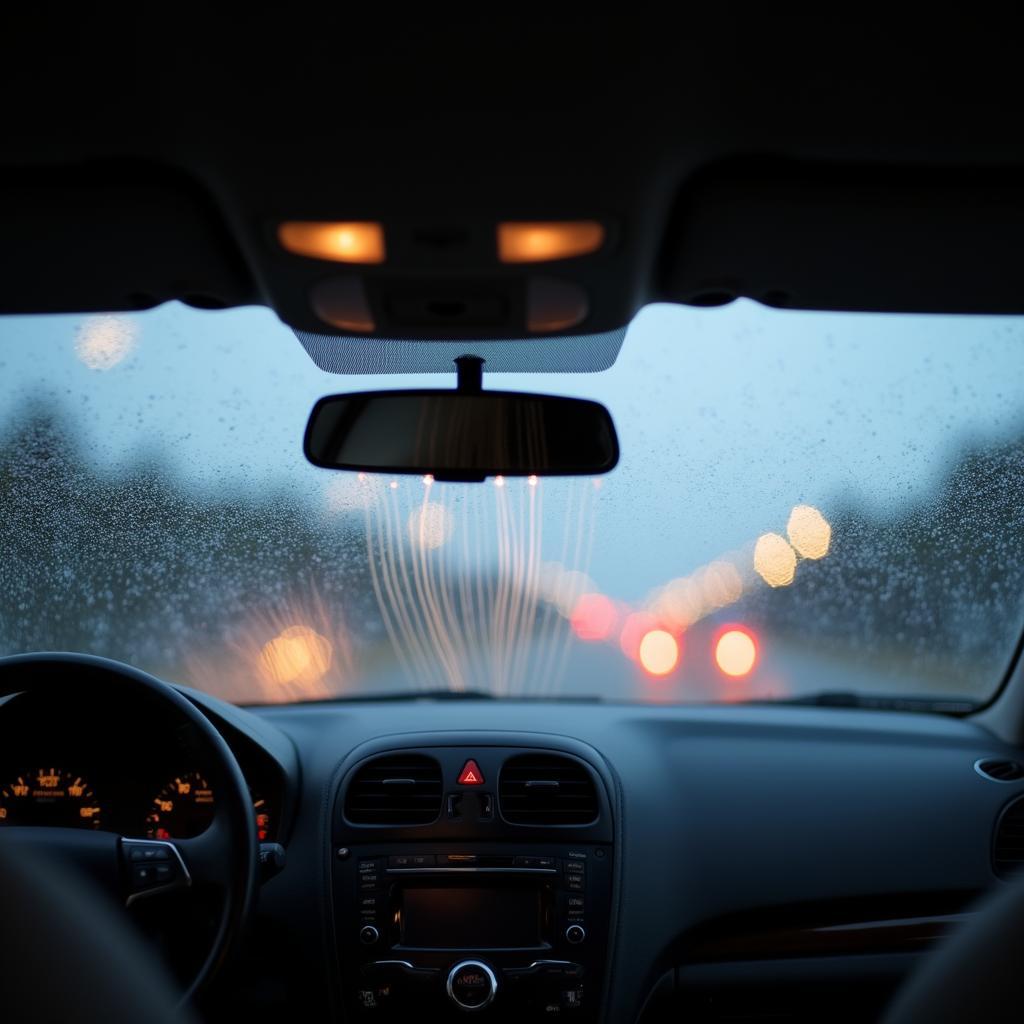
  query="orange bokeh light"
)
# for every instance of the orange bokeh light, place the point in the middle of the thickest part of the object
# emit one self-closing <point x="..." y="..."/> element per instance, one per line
<point x="658" y="652"/>
<point x="593" y="617"/>
<point x="736" y="651"/>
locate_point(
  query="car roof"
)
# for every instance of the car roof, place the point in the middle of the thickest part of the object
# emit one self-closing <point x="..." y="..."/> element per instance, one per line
<point x="805" y="162"/>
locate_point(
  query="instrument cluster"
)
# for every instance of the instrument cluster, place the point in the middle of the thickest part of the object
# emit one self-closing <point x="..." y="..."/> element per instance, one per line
<point x="58" y="769"/>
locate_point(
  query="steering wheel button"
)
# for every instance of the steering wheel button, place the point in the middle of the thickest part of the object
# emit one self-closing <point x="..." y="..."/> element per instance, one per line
<point x="143" y="876"/>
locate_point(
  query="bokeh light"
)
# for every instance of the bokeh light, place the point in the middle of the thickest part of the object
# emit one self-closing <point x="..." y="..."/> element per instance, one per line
<point x="634" y="629"/>
<point x="774" y="560"/>
<point x="720" y="585"/>
<point x="809" y="531"/>
<point x="297" y="655"/>
<point x="430" y="526"/>
<point x="564" y="587"/>
<point x="594" y="617"/>
<point x="105" y="341"/>
<point x="658" y="652"/>
<point x="736" y="652"/>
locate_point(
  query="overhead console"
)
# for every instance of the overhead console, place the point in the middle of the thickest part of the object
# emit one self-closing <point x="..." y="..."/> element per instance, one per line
<point x="473" y="879"/>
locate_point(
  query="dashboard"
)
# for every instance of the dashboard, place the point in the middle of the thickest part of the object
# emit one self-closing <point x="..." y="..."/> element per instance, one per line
<point x="544" y="860"/>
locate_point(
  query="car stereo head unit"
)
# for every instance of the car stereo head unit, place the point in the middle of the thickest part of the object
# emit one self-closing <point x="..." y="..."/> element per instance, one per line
<point x="506" y="929"/>
<point x="472" y="878"/>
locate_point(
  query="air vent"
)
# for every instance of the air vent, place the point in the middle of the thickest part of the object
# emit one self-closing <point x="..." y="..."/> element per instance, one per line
<point x="999" y="770"/>
<point x="545" y="789"/>
<point x="401" y="789"/>
<point x="1008" y="852"/>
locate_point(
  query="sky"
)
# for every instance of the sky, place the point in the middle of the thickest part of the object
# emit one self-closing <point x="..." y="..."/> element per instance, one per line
<point x="727" y="417"/>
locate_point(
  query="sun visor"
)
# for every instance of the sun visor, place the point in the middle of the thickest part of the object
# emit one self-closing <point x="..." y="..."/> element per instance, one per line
<point x="846" y="237"/>
<point x="579" y="353"/>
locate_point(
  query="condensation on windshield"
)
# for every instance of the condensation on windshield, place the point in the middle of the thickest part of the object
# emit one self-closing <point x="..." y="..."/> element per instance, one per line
<point x="805" y="502"/>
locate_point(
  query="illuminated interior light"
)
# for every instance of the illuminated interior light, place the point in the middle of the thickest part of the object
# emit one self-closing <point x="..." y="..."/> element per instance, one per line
<point x="658" y="652"/>
<point x="428" y="479"/>
<point x="809" y="531"/>
<point x="499" y="481"/>
<point x="736" y="652"/>
<point x="352" y="241"/>
<point x="532" y="481"/>
<point x="774" y="560"/>
<point x="540" y="241"/>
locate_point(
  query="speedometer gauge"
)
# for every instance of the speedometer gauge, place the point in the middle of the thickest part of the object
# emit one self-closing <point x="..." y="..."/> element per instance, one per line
<point x="49" y="797"/>
<point x="182" y="809"/>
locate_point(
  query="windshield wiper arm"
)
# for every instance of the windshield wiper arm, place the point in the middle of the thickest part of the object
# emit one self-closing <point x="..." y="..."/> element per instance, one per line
<point x="872" y="701"/>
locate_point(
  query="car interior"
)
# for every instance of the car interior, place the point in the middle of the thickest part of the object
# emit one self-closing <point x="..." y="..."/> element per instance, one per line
<point x="511" y="516"/>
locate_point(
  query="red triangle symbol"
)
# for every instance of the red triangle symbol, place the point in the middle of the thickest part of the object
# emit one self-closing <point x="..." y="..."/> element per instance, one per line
<point x="471" y="774"/>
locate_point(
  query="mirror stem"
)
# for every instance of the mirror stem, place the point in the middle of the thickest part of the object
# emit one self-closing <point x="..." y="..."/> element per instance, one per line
<point x="470" y="370"/>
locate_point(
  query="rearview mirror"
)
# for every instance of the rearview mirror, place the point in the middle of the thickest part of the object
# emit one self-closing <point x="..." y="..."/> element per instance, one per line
<point x="461" y="435"/>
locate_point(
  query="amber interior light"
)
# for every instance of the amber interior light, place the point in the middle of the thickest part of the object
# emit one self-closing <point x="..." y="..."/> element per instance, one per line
<point x="539" y="241"/>
<point x="355" y="241"/>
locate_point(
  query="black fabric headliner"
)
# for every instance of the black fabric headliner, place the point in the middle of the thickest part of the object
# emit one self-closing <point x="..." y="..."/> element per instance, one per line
<point x="805" y="161"/>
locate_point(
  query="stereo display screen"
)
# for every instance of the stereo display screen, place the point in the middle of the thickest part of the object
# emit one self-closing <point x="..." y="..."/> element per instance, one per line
<point x="471" y="918"/>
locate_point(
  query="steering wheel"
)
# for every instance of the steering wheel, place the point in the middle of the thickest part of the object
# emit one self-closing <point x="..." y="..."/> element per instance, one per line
<point x="225" y="855"/>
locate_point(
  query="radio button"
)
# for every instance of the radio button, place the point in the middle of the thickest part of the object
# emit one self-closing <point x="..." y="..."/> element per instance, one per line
<point x="367" y="865"/>
<point x="471" y="985"/>
<point x="368" y="935"/>
<point x="575" y="934"/>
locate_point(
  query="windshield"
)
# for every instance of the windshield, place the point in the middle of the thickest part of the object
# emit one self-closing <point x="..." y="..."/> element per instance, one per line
<point x="805" y="502"/>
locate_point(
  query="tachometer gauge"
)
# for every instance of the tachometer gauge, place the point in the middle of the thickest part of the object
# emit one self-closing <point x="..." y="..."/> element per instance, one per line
<point x="182" y="809"/>
<point x="49" y="797"/>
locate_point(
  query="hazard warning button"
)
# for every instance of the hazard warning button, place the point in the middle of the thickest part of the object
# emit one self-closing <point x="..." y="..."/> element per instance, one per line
<point x="471" y="774"/>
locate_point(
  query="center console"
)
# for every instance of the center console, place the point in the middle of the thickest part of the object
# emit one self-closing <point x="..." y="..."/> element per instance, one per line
<point x="501" y="910"/>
